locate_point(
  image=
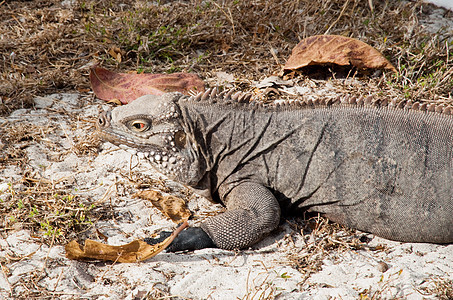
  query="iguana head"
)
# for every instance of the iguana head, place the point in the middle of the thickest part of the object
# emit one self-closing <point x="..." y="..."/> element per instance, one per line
<point x="152" y="125"/>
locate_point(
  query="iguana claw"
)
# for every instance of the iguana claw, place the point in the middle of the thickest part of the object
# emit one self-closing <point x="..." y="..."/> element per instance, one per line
<point x="192" y="238"/>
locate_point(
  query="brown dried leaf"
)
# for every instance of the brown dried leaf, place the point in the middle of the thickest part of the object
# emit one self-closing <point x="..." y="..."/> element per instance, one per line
<point x="109" y="85"/>
<point x="115" y="101"/>
<point x="335" y="49"/>
<point x="173" y="207"/>
<point x="116" y="53"/>
<point x="135" y="251"/>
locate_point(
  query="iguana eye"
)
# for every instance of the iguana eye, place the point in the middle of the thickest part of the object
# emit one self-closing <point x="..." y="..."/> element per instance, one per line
<point x="139" y="125"/>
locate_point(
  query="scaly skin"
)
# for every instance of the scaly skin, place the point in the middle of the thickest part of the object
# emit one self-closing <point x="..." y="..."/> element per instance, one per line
<point x="370" y="166"/>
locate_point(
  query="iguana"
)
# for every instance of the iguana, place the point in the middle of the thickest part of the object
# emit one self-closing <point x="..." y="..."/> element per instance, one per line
<point x="377" y="166"/>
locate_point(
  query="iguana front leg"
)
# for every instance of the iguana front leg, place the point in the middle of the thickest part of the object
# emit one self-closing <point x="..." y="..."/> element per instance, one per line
<point x="252" y="212"/>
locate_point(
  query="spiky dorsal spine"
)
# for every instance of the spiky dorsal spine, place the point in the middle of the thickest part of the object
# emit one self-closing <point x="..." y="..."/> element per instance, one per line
<point x="231" y="96"/>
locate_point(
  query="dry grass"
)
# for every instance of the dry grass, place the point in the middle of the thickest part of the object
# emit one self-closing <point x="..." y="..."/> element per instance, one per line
<point x="322" y="237"/>
<point x="16" y="137"/>
<point x="441" y="287"/>
<point x="47" y="47"/>
<point x="48" y="208"/>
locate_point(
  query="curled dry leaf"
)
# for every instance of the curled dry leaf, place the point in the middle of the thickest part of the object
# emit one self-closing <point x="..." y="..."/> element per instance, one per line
<point x="116" y="53"/>
<point x="109" y="85"/>
<point x="335" y="49"/>
<point x="135" y="251"/>
<point x="173" y="207"/>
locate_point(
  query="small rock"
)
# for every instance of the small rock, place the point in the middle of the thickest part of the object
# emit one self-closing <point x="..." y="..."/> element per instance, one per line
<point x="273" y="81"/>
<point x="68" y="3"/>
<point x="43" y="102"/>
<point x="4" y="186"/>
<point x="224" y="77"/>
<point x="383" y="267"/>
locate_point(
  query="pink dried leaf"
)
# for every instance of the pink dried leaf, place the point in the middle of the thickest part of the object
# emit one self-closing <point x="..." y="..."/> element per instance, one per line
<point x="109" y="85"/>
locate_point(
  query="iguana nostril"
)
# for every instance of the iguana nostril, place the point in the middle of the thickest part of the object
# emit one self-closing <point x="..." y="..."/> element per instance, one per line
<point x="104" y="118"/>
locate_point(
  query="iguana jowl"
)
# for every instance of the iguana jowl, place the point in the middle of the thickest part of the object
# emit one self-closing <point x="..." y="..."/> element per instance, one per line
<point x="369" y="165"/>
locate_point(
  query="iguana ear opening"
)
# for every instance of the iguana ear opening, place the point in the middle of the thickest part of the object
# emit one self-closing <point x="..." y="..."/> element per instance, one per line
<point x="104" y="119"/>
<point x="180" y="139"/>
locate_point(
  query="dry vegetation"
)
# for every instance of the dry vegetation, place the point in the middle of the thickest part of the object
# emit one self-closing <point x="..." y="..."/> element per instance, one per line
<point x="48" y="46"/>
<point x="49" y="208"/>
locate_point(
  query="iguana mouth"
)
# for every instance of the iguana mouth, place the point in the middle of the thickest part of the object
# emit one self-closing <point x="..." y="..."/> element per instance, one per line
<point x="107" y="133"/>
<point x="117" y="139"/>
<point x="167" y="161"/>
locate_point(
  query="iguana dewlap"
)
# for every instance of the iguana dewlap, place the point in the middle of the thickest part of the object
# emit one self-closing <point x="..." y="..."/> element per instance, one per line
<point x="369" y="165"/>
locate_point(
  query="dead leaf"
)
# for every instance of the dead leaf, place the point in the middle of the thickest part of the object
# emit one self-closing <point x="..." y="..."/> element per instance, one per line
<point x="335" y="49"/>
<point x="115" y="101"/>
<point x="116" y="53"/>
<point x="109" y="85"/>
<point x="135" y="251"/>
<point x="173" y="207"/>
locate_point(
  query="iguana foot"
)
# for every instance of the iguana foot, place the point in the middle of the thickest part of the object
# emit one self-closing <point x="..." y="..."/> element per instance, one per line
<point x="192" y="238"/>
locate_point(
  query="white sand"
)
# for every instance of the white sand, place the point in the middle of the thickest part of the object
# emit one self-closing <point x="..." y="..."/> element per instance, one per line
<point x="448" y="4"/>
